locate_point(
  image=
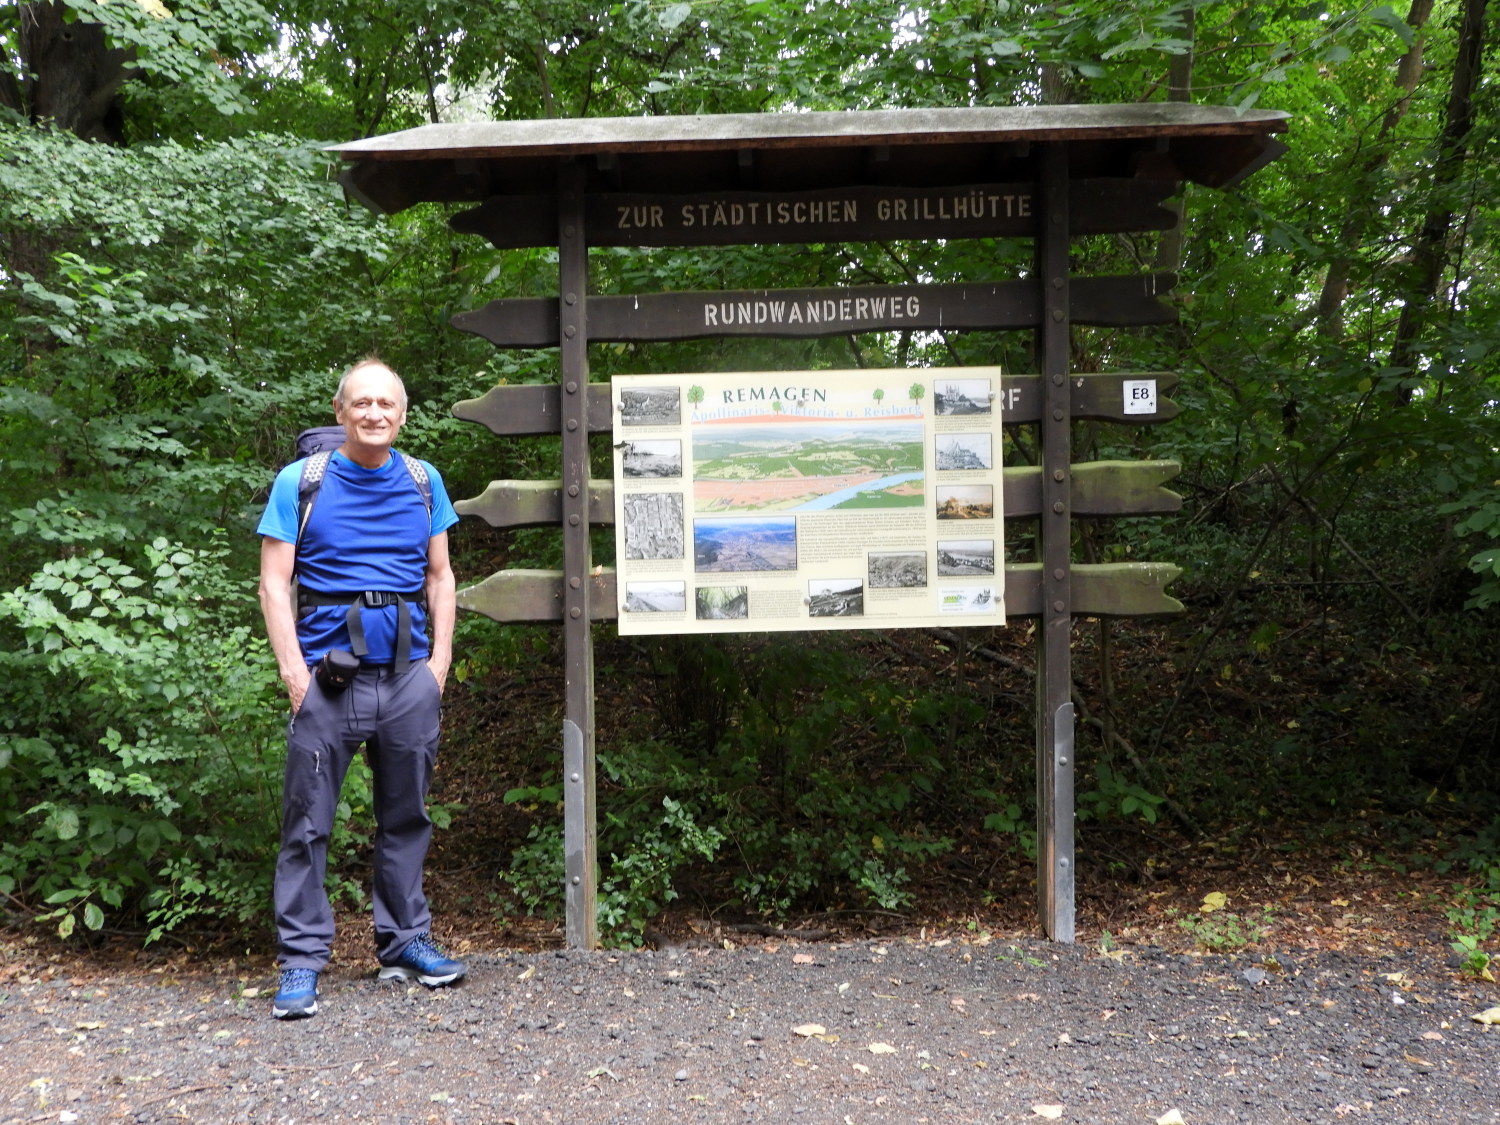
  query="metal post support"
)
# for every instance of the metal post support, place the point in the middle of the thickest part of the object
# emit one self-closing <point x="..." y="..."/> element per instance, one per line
<point x="1054" y="681"/>
<point x="580" y="835"/>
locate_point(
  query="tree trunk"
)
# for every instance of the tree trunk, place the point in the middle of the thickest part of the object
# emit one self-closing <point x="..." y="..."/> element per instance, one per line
<point x="1179" y="89"/>
<point x="1336" y="280"/>
<point x="1429" y="252"/>
<point x="73" y="77"/>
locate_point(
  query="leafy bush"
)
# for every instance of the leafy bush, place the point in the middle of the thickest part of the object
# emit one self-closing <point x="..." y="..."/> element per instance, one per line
<point x="1223" y="931"/>
<point x="139" y="751"/>
<point x="649" y="839"/>
<point x="811" y="784"/>
<point x="1114" y="796"/>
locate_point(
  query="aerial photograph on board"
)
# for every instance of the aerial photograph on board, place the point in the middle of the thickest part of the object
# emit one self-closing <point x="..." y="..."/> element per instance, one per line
<point x="730" y="545"/>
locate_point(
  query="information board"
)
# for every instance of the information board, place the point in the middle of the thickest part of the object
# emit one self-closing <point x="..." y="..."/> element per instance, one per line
<point x="766" y="501"/>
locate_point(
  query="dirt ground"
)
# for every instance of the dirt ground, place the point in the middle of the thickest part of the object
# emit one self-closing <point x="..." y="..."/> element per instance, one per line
<point x="958" y="1024"/>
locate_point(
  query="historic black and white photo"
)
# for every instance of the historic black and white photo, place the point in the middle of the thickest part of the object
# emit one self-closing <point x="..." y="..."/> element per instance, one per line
<point x="959" y="557"/>
<point x="650" y="406"/>
<point x="644" y="596"/>
<point x="956" y="452"/>
<point x="654" y="525"/>
<point x="651" y="459"/>
<point x="895" y="569"/>
<point x="836" y="597"/>
<point x="962" y="396"/>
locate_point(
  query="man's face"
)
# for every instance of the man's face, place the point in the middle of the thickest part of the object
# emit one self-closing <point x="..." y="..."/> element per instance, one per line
<point x="371" y="412"/>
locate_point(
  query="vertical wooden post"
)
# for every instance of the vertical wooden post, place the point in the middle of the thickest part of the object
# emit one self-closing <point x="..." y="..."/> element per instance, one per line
<point x="1054" y="681"/>
<point x="580" y="836"/>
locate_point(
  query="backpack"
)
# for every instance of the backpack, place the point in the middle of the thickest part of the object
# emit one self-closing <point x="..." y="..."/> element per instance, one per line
<point x="317" y="446"/>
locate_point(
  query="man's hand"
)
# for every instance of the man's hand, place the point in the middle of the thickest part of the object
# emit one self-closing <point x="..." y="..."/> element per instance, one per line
<point x="439" y="670"/>
<point x="297" y="680"/>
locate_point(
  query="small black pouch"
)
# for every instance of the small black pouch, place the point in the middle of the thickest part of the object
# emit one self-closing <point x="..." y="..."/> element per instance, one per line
<point x="336" y="670"/>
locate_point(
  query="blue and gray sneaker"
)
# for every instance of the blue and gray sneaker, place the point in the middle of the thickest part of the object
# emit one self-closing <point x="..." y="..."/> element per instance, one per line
<point x="423" y="961"/>
<point x="297" y="996"/>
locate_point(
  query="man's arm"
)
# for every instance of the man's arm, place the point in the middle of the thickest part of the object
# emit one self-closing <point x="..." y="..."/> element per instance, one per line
<point x="277" y="561"/>
<point x="441" y="588"/>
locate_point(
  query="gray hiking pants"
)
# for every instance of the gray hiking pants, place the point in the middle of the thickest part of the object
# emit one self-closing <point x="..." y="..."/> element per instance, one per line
<point x="396" y="716"/>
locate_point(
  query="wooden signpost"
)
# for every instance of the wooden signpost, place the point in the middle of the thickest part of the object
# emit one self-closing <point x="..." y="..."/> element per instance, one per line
<point x="1047" y="174"/>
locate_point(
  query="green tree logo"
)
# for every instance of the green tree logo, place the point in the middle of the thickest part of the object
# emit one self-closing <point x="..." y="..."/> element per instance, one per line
<point x="695" y="394"/>
<point x="916" y="392"/>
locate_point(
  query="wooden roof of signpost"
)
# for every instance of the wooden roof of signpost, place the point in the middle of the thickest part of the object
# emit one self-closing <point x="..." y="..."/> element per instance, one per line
<point x="473" y="162"/>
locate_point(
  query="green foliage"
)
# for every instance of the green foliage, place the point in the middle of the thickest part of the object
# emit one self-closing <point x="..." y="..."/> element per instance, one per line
<point x="1011" y="819"/>
<point x="650" y="838"/>
<point x="640" y="882"/>
<point x="1475" y="918"/>
<point x="1224" y="931"/>
<point x="1481" y="855"/>
<point x="138" y="741"/>
<point x="158" y="296"/>
<point x="806" y="797"/>
<point x="1481" y="519"/>
<point x="181" y="48"/>
<point x="185" y="59"/>
<point x="811" y="818"/>
<point x="1114" y="796"/>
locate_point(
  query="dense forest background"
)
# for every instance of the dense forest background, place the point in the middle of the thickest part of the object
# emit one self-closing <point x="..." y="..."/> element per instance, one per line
<point x="181" y="279"/>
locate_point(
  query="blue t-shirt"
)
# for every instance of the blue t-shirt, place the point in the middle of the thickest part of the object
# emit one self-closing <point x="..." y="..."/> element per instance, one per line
<point x="368" y="531"/>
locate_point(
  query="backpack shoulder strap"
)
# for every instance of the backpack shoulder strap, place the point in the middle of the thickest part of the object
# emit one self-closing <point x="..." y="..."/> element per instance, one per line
<point x="313" y="471"/>
<point x="419" y="477"/>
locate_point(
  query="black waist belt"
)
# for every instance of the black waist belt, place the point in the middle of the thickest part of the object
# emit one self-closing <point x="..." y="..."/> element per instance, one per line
<point x="375" y="599"/>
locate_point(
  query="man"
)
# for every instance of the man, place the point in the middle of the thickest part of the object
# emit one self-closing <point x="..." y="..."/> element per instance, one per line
<point x="373" y="573"/>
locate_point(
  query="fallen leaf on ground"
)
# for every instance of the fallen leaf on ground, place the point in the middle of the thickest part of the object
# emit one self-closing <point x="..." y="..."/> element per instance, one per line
<point x="1171" y="1117"/>
<point x="1488" y="1016"/>
<point x="881" y="1049"/>
<point x="1050" y="1112"/>
<point x="803" y="958"/>
<point x="1214" y="900"/>
<point x="808" y="1030"/>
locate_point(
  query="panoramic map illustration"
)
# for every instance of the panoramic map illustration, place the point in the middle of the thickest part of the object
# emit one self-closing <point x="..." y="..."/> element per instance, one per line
<point x="808" y="467"/>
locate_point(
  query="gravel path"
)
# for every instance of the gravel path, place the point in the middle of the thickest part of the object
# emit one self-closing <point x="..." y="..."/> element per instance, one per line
<point x="869" y="1032"/>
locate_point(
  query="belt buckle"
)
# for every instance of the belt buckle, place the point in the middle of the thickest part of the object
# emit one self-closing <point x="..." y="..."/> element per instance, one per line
<point x="376" y="599"/>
